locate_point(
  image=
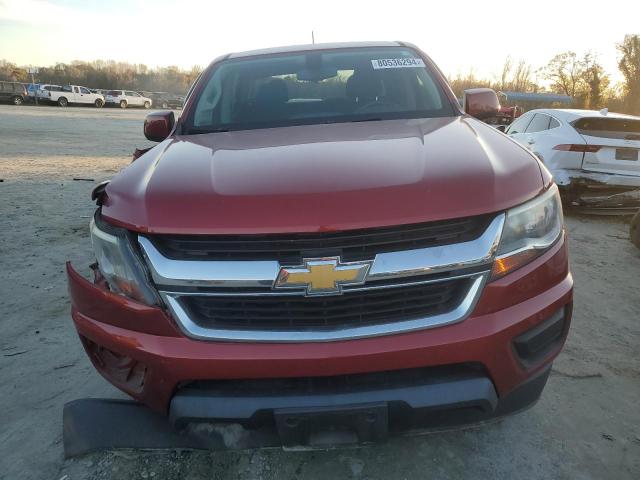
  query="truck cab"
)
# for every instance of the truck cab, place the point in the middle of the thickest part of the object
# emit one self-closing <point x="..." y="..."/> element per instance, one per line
<point x="75" y="94"/>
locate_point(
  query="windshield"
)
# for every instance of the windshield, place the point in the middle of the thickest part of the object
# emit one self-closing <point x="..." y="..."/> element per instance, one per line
<point x="314" y="87"/>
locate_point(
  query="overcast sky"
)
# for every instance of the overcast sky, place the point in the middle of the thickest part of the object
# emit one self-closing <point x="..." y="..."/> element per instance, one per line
<point x="458" y="35"/>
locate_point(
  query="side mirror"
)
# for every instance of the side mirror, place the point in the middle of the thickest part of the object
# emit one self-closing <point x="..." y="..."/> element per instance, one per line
<point x="158" y="125"/>
<point x="481" y="103"/>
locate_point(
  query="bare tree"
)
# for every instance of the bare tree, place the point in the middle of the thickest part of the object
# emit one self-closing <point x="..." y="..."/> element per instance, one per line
<point x="506" y="73"/>
<point x="107" y="74"/>
<point x="516" y="77"/>
<point x="522" y="77"/>
<point x="565" y="71"/>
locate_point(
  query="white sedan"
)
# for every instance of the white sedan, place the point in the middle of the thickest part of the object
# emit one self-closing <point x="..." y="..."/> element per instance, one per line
<point x="592" y="155"/>
<point x="127" y="98"/>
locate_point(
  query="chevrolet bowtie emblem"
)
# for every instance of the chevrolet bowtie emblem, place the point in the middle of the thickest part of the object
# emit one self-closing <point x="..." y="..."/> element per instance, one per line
<point x="322" y="276"/>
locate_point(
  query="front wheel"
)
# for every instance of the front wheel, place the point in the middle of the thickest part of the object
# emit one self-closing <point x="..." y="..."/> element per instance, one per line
<point x="63" y="102"/>
<point x="123" y="104"/>
<point x="147" y="105"/>
<point x="98" y="103"/>
<point x="18" y="100"/>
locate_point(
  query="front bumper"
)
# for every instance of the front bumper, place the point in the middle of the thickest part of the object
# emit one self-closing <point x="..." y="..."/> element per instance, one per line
<point x="97" y="424"/>
<point x="140" y="350"/>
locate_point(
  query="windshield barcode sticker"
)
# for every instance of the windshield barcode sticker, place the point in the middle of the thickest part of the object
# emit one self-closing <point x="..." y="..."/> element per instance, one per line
<point x="397" y="63"/>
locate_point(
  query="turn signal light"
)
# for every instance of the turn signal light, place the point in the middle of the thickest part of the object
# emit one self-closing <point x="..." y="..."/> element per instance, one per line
<point x="573" y="147"/>
<point x="509" y="263"/>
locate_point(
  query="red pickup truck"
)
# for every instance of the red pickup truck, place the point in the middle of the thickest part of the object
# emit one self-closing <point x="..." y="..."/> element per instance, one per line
<point x="325" y="240"/>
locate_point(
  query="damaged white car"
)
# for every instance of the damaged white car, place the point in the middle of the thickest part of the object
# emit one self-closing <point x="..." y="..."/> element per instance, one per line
<point x="593" y="155"/>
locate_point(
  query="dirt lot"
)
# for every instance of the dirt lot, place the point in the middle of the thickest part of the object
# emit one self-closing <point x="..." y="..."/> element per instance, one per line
<point x="587" y="424"/>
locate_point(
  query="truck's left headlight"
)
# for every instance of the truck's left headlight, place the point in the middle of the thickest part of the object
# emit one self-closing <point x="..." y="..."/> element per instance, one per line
<point x="119" y="264"/>
<point x="529" y="230"/>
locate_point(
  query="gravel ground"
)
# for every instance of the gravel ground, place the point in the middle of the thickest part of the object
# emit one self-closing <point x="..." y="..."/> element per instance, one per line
<point x="587" y="424"/>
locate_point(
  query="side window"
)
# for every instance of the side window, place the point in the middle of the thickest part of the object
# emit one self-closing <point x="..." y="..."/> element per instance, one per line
<point x="66" y="88"/>
<point x="520" y="124"/>
<point x="554" y="123"/>
<point x="539" y="123"/>
<point x="84" y="90"/>
<point x="131" y="94"/>
<point x="76" y="90"/>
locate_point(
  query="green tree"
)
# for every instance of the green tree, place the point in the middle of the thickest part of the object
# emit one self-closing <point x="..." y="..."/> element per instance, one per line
<point x="629" y="65"/>
<point x="595" y="79"/>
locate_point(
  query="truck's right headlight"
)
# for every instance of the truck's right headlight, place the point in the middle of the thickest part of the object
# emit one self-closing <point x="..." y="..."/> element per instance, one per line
<point x="119" y="264"/>
<point x="529" y="230"/>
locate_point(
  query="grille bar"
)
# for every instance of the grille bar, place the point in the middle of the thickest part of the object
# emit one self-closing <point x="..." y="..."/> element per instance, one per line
<point x="352" y="245"/>
<point x="351" y="309"/>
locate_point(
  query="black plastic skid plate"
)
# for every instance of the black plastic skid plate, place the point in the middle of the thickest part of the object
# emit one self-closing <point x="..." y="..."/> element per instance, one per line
<point x="92" y="424"/>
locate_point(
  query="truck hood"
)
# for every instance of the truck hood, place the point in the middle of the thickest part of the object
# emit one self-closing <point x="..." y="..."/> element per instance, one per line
<point x="323" y="178"/>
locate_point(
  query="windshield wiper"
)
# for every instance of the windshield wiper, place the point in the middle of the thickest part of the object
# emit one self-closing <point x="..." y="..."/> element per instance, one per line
<point x="196" y="131"/>
<point x="372" y="119"/>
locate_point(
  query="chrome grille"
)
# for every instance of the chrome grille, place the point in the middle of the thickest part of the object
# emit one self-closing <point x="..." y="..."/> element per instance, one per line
<point x="404" y="290"/>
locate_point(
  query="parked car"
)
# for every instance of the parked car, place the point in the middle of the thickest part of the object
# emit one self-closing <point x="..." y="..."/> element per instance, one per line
<point x="32" y="88"/>
<point x="297" y="254"/>
<point x="102" y="91"/>
<point x="127" y="98"/>
<point x="506" y="115"/>
<point x="164" y="99"/>
<point x="75" y="94"/>
<point x="593" y="155"/>
<point x="13" y="92"/>
<point x="44" y="90"/>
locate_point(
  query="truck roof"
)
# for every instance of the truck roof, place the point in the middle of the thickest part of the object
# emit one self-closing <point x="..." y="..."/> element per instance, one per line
<point x="315" y="46"/>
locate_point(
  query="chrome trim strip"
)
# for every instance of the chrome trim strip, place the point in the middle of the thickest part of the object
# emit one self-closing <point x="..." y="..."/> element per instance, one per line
<point x="166" y="271"/>
<point x="439" y="259"/>
<point x="279" y="293"/>
<point x="386" y="266"/>
<point x="191" y="329"/>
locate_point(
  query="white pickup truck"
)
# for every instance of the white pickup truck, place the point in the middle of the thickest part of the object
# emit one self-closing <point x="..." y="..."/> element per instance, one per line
<point x="75" y="94"/>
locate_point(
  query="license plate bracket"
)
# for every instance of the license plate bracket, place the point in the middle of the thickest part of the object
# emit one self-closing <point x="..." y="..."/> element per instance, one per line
<point x="627" y="154"/>
<point x="327" y="426"/>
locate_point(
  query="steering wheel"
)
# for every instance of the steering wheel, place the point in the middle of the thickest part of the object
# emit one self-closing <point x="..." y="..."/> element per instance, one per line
<point x="376" y="106"/>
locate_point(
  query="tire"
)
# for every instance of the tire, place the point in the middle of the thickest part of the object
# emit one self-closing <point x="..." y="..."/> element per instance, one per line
<point x="18" y="100"/>
<point x="165" y="105"/>
<point x="634" y="231"/>
<point x="98" y="103"/>
<point x="147" y="105"/>
<point x="63" y="102"/>
<point x="123" y="104"/>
